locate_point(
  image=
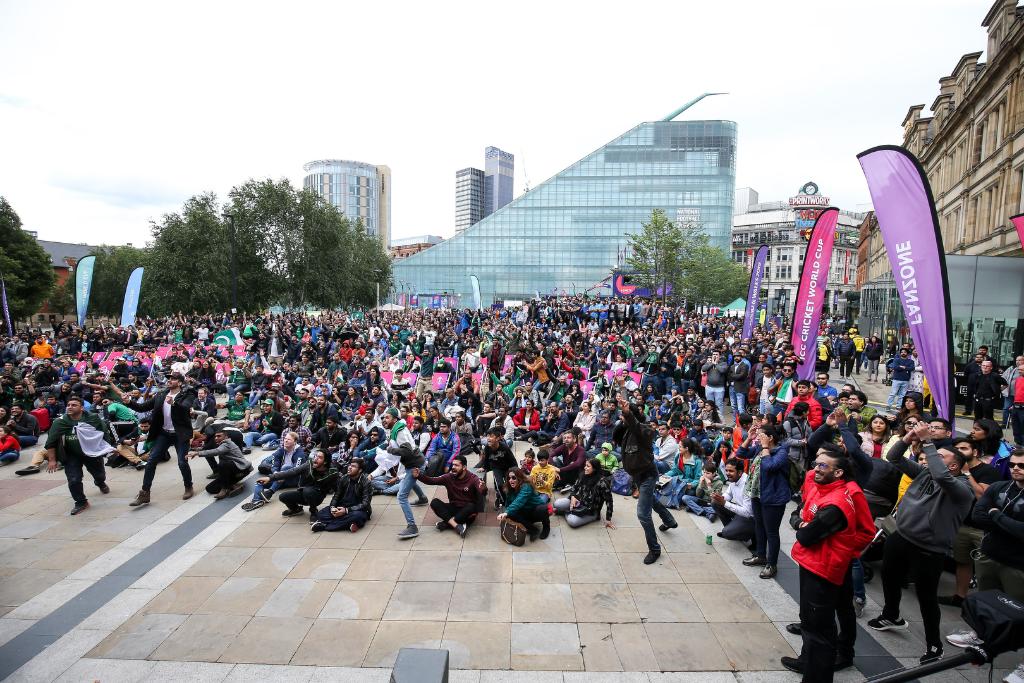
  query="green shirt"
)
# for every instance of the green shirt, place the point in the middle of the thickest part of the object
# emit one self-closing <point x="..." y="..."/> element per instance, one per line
<point x="122" y="412"/>
<point x="62" y="436"/>
<point x="236" y="409"/>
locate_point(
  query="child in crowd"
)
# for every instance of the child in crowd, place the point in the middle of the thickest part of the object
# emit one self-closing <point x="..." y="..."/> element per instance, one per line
<point x="544" y="475"/>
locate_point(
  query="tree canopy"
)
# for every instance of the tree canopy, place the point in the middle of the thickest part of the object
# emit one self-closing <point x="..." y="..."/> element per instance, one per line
<point x="24" y="265"/>
<point x="681" y="256"/>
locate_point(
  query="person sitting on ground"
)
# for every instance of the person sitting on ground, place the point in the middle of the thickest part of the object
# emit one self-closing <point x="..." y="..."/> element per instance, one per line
<point x="607" y="459"/>
<point x="529" y="460"/>
<point x="387" y="477"/>
<point x="543" y="476"/>
<point x="569" y="458"/>
<point x="709" y="485"/>
<point x="688" y="464"/>
<point x="526" y="507"/>
<point x="10" y="448"/>
<point x="465" y="492"/>
<point x="317" y="478"/>
<point x="497" y="458"/>
<point x="589" y="494"/>
<point x="350" y="507"/>
<point x="232" y="467"/>
<point x="288" y="456"/>
<point x="733" y="504"/>
<point x="667" y="450"/>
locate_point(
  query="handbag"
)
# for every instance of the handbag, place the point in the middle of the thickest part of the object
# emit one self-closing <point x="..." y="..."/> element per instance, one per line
<point x="512" y="532"/>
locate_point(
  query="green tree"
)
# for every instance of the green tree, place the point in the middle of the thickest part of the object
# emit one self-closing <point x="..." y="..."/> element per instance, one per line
<point x="114" y="264"/>
<point x="655" y="251"/>
<point x="708" y="276"/>
<point x="62" y="299"/>
<point x="24" y="265"/>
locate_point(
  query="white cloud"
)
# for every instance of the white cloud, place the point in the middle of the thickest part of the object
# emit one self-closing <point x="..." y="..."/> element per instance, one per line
<point x="112" y="114"/>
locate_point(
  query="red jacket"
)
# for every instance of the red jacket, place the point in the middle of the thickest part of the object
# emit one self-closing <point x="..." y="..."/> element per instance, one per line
<point x="830" y="559"/>
<point x="520" y="419"/>
<point x="9" y="442"/>
<point x="814" y="416"/>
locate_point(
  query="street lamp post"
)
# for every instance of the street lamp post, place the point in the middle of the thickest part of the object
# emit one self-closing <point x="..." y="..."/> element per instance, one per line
<point x="234" y="267"/>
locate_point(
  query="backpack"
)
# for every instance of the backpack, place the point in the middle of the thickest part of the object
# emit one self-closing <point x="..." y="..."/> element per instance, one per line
<point x="435" y="466"/>
<point x="622" y="483"/>
<point x="796" y="477"/>
<point x="671" y="494"/>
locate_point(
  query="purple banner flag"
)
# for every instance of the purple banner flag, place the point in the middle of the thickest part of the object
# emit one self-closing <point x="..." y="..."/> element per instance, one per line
<point x="7" y="312"/>
<point x="910" y="230"/>
<point x="754" y="291"/>
<point x="810" y="295"/>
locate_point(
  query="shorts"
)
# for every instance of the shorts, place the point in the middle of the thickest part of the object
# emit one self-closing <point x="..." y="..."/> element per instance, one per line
<point x="968" y="539"/>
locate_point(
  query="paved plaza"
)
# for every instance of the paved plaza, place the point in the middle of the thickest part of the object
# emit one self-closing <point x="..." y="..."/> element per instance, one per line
<point x="200" y="590"/>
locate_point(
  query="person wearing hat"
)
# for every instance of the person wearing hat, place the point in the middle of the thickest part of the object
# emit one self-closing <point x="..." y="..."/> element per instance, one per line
<point x="606" y="458"/>
<point x="270" y="427"/>
<point x="171" y="423"/>
<point x="399" y="441"/>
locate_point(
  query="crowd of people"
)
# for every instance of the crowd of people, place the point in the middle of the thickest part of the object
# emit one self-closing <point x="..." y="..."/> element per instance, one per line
<point x="623" y="397"/>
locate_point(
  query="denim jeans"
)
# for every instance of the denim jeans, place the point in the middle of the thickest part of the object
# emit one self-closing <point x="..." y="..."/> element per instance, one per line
<point x="10" y="456"/>
<point x="407" y="484"/>
<point x="663" y="466"/>
<point x="235" y="388"/>
<point x="767" y="520"/>
<point x="899" y="389"/>
<point x="381" y="485"/>
<point x="716" y="394"/>
<point x="252" y="438"/>
<point x="644" y="505"/>
<point x="738" y="400"/>
<point x="697" y="507"/>
<point x="27" y="440"/>
<point x="857" y="569"/>
<point x="161" y="446"/>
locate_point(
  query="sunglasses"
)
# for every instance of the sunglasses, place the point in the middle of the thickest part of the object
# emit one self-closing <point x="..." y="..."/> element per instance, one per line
<point x="1017" y="465"/>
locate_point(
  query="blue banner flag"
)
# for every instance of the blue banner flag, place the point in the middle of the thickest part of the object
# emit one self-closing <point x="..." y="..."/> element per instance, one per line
<point x="83" y="286"/>
<point x="131" y="298"/>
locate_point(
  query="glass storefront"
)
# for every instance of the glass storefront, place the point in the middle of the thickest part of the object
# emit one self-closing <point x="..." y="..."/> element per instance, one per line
<point x="567" y="234"/>
<point x="986" y="302"/>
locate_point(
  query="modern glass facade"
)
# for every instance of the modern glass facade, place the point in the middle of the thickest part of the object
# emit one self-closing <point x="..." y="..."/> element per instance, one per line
<point x="499" y="175"/>
<point x="361" y="191"/>
<point x="986" y="298"/>
<point x="469" y="198"/>
<point x="566" y="234"/>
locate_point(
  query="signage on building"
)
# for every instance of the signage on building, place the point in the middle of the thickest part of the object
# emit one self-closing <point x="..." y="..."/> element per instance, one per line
<point x="808" y="195"/>
<point x="688" y="215"/>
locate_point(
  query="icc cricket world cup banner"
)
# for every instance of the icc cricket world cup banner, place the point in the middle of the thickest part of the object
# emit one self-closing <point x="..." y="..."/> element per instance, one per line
<point x="131" y="298"/>
<point x="83" y="286"/>
<point x="754" y="292"/>
<point x="810" y="296"/>
<point x="910" y="230"/>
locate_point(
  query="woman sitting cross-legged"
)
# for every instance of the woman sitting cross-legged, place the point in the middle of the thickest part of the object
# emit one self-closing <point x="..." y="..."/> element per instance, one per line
<point x="524" y="505"/>
<point x="589" y="494"/>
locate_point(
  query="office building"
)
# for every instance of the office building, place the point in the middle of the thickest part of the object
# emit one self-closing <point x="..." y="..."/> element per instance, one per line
<point x="360" y="191"/>
<point x="567" y="234"/>
<point x="785" y="226"/>
<point x="499" y="174"/>
<point x="469" y="198"/>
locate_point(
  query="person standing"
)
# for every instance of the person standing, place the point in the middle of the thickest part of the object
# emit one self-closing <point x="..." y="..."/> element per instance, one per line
<point x="902" y="367"/>
<point x="835" y="527"/>
<point x="400" y="442"/>
<point x="1016" y="401"/>
<point x="171" y="424"/>
<point x="929" y="515"/>
<point x="635" y="440"/>
<point x="64" y="440"/>
<point x="988" y="391"/>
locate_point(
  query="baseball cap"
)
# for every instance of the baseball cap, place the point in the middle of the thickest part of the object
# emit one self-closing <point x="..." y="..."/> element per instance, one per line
<point x="268" y="401"/>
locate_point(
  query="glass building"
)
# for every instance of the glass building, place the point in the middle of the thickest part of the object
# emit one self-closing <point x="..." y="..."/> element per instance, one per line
<point x="469" y="197"/>
<point x="360" y="191"/>
<point x="567" y="234"/>
<point x="499" y="175"/>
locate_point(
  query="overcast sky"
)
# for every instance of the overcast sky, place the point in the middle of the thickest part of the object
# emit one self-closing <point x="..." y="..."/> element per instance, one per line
<point x="112" y="114"/>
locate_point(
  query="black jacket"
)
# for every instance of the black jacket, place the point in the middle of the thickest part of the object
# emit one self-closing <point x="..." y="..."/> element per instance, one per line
<point x="363" y="490"/>
<point x="181" y="412"/>
<point x="325" y="481"/>
<point x="635" y="439"/>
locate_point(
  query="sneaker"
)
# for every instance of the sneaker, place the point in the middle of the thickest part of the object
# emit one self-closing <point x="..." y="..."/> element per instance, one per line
<point x="652" y="556"/>
<point x="880" y="624"/>
<point x="1015" y="676"/>
<point x="292" y="512"/>
<point x="419" y="502"/>
<point x="410" y="532"/>
<point x="80" y="507"/>
<point x="769" y="572"/>
<point x="31" y="469"/>
<point x="442" y="525"/>
<point x="795" y="629"/>
<point x="253" y="505"/>
<point x="565" y="490"/>
<point x="353" y="527"/>
<point x="140" y="466"/>
<point x="270" y="448"/>
<point x="934" y="653"/>
<point x="858" y="605"/>
<point x="247" y="451"/>
<point x="318" y="526"/>
<point x="755" y="561"/>
<point x="964" y="638"/>
<point x="461" y="529"/>
<point x="950" y="600"/>
<point x="103" y="488"/>
<point x="666" y="527"/>
<point x="793" y="664"/>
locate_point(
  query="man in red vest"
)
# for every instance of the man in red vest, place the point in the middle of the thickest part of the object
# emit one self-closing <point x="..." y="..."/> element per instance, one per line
<point x="836" y="527"/>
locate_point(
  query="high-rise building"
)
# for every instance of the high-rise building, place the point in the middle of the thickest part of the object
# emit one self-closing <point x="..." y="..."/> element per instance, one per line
<point x="568" y="233"/>
<point x="499" y="174"/>
<point x="469" y="198"/>
<point x="360" y="191"/>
